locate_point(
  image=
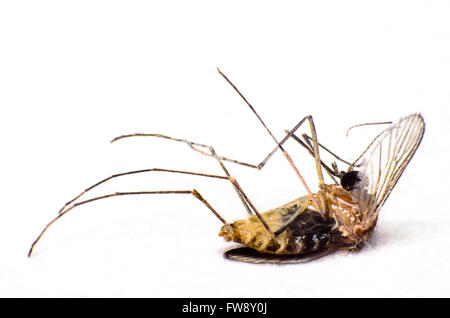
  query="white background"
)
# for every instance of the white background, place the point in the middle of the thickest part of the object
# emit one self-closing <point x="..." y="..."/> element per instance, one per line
<point x="73" y="75"/>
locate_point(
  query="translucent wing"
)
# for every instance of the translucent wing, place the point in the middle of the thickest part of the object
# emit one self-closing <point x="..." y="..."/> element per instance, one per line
<point x="383" y="162"/>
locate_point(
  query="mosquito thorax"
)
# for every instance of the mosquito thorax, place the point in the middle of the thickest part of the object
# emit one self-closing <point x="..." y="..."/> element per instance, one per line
<point x="345" y="211"/>
<point x="350" y="179"/>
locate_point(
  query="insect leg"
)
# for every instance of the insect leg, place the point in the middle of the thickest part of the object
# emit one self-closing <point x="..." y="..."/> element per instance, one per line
<point x="137" y="172"/>
<point x="237" y="187"/>
<point x="209" y="151"/>
<point x="286" y="155"/>
<point x="308" y="140"/>
<point x="194" y="192"/>
<point x="201" y="148"/>
<point x="332" y="172"/>
<point x="70" y="204"/>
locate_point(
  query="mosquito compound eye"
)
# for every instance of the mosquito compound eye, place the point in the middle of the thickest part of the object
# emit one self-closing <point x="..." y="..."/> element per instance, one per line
<point x="349" y="180"/>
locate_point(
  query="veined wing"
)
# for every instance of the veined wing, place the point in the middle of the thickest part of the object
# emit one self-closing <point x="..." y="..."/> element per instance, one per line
<point x="384" y="160"/>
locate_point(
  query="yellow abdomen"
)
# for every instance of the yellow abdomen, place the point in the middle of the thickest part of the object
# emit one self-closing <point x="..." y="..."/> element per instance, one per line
<point x="307" y="232"/>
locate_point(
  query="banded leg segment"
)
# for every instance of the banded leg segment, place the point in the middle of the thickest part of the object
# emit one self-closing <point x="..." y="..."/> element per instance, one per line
<point x="137" y="172"/>
<point x="70" y="205"/>
<point x="209" y="151"/>
<point x="245" y="200"/>
<point x="193" y="192"/>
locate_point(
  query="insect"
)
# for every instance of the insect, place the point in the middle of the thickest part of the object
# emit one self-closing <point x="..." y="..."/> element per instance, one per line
<point x="339" y="216"/>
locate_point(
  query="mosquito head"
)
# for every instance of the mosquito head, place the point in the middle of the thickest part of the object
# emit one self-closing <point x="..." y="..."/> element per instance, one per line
<point x="350" y="179"/>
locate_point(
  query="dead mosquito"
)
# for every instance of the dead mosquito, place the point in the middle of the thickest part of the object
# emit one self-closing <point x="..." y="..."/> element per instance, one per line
<point x="340" y="216"/>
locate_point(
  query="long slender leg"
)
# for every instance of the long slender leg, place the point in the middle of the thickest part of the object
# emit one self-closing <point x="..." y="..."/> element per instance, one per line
<point x="245" y="200"/>
<point x="288" y="158"/>
<point x="194" y="192"/>
<point x="308" y="146"/>
<point x="315" y="145"/>
<point x="194" y="146"/>
<point x="197" y="147"/>
<point x="208" y="150"/>
<point x="212" y="153"/>
<point x="137" y="172"/>
<point x="228" y="177"/>
<point x="237" y="188"/>
<point x="308" y="139"/>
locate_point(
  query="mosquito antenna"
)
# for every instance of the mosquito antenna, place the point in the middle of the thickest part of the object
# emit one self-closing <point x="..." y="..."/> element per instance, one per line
<point x="381" y="123"/>
<point x="368" y="124"/>
<point x="288" y="158"/>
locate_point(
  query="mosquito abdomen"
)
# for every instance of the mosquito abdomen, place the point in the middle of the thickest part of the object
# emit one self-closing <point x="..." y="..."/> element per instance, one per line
<point x="251" y="233"/>
<point x="308" y="232"/>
